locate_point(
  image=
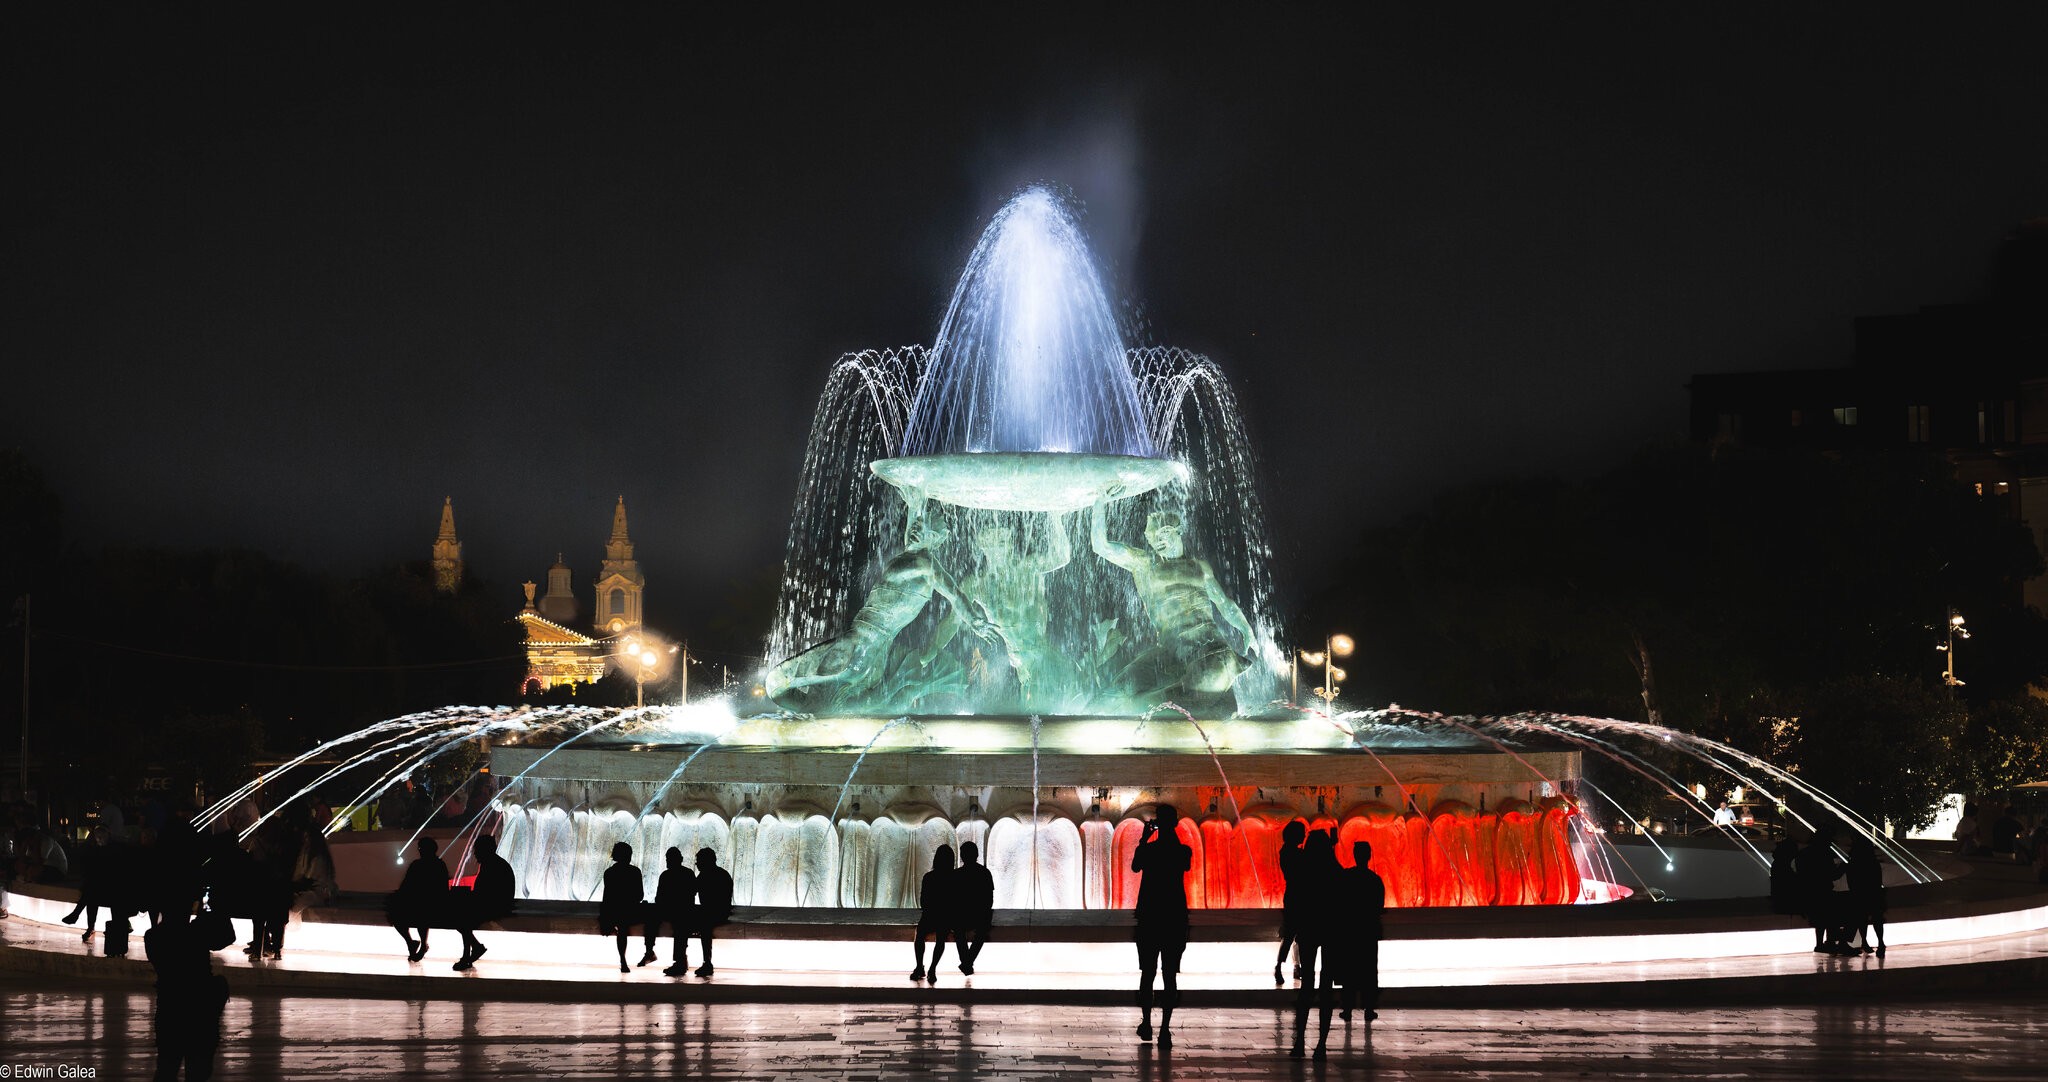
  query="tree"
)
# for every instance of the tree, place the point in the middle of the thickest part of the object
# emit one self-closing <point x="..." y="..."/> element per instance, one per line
<point x="1886" y="746"/>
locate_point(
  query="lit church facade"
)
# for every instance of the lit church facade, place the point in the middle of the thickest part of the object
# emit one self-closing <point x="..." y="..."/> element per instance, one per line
<point x="558" y="654"/>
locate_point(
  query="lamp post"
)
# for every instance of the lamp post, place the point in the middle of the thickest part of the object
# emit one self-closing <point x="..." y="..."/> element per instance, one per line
<point x="1957" y="629"/>
<point x="647" y="657"/>
<point x="1335" y="646"/>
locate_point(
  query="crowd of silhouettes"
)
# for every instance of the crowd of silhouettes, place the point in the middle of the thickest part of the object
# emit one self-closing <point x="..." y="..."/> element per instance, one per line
<point x="1332" y="916"/>
<point x="1844" y="922"/>
<point x="688" y="902"/>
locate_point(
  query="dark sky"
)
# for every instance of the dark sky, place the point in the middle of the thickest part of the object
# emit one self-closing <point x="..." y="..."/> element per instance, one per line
<point x="287" y="284"/>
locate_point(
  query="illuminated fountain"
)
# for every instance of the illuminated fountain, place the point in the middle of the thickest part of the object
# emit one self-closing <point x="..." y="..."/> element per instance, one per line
<point x="1026" y="600"/>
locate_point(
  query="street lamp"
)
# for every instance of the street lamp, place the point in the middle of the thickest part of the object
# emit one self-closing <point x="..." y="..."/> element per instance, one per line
<point x="647" y="656"/>
<point x="1335" y="646"/>
<point x="1957" y="629"/>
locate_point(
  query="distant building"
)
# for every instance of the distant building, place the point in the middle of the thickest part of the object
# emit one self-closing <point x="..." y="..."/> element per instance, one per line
<point x="447" y="552"/>
<point x="1966" y="381"/>
<point x="557" y="653"/>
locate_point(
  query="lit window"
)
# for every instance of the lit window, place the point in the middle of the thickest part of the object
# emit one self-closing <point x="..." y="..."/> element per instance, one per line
<point x="1845" y="415"/>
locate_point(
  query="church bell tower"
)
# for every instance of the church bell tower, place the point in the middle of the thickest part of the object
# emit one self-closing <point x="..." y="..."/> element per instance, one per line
<point x="619" y="581"/>
<point x="447" y="552"/>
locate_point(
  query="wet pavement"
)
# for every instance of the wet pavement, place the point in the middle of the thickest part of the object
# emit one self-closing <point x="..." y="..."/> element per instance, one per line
<point x="272" y="1037"/>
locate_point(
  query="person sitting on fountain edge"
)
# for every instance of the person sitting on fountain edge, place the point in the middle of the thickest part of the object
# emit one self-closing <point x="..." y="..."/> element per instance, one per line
<point x="935" y="912"/>
<point x="420" y="898"/>
<point x="975" y="903"/>
<point x="1187" y="606"/>
<point x="714" y="902"/>
<point x="675" y="903"/>
<point x="489" y="899"/>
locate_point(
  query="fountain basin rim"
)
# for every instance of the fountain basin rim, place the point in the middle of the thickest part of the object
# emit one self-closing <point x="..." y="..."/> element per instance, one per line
<point x="1047" y="481"/>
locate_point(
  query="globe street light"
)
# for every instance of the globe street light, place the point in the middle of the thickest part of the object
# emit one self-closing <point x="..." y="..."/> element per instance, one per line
<point x="1335" y="646"/>
<point x="1957" y="629"/>
<point x="647" y="656"/>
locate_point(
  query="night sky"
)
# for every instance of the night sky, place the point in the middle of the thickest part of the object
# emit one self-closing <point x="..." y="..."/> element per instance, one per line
<point x="285" y="285"/>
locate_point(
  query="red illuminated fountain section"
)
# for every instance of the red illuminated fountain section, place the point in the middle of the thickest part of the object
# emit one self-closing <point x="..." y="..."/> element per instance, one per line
<point x="1447" y="827"/>
<point x="1516" y="854"/>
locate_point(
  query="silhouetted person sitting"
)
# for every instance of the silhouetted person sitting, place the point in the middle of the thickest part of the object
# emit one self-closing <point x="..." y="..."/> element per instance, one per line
<point x="1785" y="879"/>
<point x="1362" y="906"/>
<point x="974" y="907"/>
<point x="714" y="902"/>
<point x="1866" y="893"/>
<point x="189" y="994"/>
<point x="1290" y="900"/>
<point x="675" y="903"/>
<point x="490" y="898"/>
<point x="935" y="912"/>
<point x="624" y="901"/>
<point x="420" y="900"/>
<point x="1317" y="930"/>
<point x="1161" y="862"/>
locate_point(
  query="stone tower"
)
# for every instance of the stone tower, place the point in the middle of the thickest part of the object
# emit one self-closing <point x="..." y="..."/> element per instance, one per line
<point x="559" y="603"/>
<point x="447" y="552"/>
<point x="619" y="581"/>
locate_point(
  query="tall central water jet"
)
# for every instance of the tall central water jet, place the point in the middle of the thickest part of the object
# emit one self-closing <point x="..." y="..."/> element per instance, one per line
<point x="1027" y="409"/>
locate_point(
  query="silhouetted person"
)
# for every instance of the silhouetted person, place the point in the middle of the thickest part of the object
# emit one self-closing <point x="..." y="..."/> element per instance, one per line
<point x="1785" y="878"/>
<point x="1866" y="892"/>
<point x="935" y="911"/>
<point x="275" y="850"/>
<point x="489" y="898"/>
<point x="189" y="994"/>
<point x="1317" y="931"/>
<point x="675" y="903"/>
<point x="624" y="902"/>
<point x="312" y="874"/>
<point x="95" y="875"/>
<point x="421" y="898"/>
<point x="974" y="903"/>
<point x="1161" y="862"/>
<point x="1362" y="907"/>
<point x="1290" y="901"/>
<point x="1818" y="869"/>
<point x="714" y="902"/>
<point x="2005" y="833"/>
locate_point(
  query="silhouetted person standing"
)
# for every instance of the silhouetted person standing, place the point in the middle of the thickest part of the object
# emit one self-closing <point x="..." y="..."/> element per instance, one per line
<point x="675" y="903"/>
<point x="1362" y="907"/>
<point x="421" y="898"/>
<point x="975" y="906"/>
<point x="95" y="880"/>
<point x="1161" y="862"/>
<point x="190" y="996"/>
<point x="935" y="912"/>
<point x="1317" y="930"/>
<point x="625" y="899"/>
<point x="1818" y="869"/>
<point x="714" y="902"/>
<point x="1866" y="892"/>
<point x="1785" y="878"/>
<point x="1290" y="857"/>
<point x="490" y="897"/>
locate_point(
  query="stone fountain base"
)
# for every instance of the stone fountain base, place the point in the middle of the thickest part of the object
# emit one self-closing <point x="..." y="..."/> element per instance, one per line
<point x="800" y="826"/>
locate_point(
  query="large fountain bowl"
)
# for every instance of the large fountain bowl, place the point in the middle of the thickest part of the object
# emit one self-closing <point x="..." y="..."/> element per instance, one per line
<point x="1050" y="481"/>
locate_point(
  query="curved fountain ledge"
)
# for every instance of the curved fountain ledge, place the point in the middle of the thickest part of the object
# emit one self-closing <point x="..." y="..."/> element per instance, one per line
<point x="1984" y="930"/>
